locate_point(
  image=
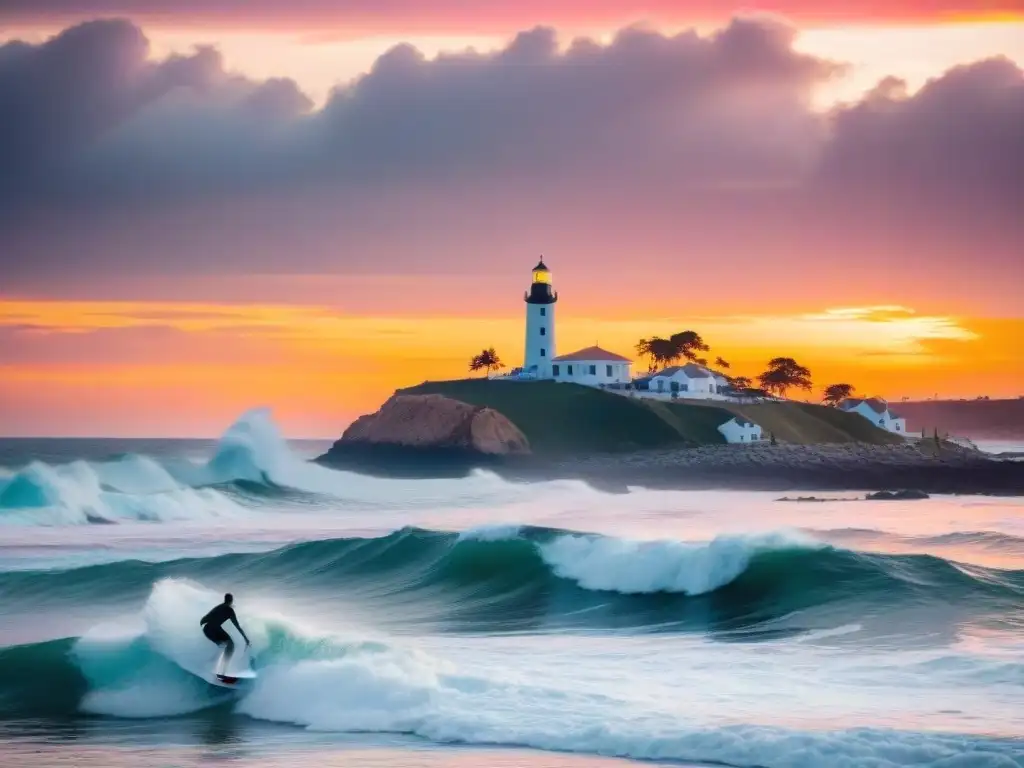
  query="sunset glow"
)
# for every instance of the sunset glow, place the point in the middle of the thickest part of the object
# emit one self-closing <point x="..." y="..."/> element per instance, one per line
<point x="319" y="204"/>
<point x="319" y="369"/>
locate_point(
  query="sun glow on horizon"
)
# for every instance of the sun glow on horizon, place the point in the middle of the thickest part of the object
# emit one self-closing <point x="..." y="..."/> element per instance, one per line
<point x="322" y="367"/>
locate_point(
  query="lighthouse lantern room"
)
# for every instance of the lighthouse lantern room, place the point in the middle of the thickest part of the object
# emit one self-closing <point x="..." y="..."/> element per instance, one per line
<point x="540" y="324"/>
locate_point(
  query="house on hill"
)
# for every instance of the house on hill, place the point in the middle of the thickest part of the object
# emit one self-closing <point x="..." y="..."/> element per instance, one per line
<point x="741" y="430"/>
<point x="690" y="380"/>
<point x="592" y="366"/>
<point x="876" y="410"/>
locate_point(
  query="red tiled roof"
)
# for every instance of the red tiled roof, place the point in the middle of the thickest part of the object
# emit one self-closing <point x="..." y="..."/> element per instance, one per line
<point x="591" y="353"/>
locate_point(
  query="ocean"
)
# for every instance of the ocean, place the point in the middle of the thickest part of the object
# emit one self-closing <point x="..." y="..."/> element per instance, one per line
<point x="469" y="622"/>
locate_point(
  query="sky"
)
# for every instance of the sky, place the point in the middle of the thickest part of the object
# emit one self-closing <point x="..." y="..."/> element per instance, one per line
<point x="211" y="206"/>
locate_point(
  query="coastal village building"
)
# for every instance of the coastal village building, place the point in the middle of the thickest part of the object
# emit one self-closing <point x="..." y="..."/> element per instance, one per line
<point x="876" y="410"/>
<point x="591" y="366"/>
<point x="690" y="380"/>
<point x="598" y="367"/>
<point x="741" y="430"/>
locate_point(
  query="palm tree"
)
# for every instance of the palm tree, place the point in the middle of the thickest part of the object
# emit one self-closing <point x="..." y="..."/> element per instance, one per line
<point x="836" y="393"/>
<point x="782" y="374"/>
<point x="488" y="359"/>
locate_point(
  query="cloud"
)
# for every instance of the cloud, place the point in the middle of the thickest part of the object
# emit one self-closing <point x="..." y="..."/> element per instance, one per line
<point x="660" y="146"/>
<point x="143" y="345"/>
<point x="87" y="113"/>
<point x="961" y="132"/>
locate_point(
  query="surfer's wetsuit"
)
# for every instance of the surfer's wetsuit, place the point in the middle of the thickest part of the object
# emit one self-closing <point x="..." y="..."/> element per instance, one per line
<point x="211" y="624"/>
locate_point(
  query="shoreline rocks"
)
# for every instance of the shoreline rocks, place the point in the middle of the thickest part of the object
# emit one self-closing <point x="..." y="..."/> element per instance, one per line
<point x="788" y="468"/>
<point x="905" y="495"/>
<point x="432" y="430"/>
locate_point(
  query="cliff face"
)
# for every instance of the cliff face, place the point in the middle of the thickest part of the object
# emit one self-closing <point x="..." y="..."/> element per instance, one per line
<point x="436" y="422"/>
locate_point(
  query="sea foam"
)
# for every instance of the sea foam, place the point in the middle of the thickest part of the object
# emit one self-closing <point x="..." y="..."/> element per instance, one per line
<point x="150" y="666"/>
<point x="607" y="563"/>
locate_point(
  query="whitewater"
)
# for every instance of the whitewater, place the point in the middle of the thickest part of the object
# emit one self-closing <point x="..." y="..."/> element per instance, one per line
<point x="475" y="620"/>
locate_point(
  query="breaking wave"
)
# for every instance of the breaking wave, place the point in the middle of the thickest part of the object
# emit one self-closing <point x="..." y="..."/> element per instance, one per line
<point x="250" y="465"/>
<point x="514" y="578"/>
<point x="150" y="666"/>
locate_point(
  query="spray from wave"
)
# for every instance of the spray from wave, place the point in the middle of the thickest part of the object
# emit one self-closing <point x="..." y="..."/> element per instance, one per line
<point x="134" y="488"/>
<point x="250" y="465"/>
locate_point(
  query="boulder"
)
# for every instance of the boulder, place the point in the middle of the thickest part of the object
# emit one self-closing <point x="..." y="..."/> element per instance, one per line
<point x="431" y="422"/>
<point x="897" y="495"/>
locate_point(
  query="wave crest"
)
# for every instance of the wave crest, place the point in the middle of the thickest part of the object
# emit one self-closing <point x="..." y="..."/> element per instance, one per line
<point x="520" y="577"/>
<point x="645" y="567"/>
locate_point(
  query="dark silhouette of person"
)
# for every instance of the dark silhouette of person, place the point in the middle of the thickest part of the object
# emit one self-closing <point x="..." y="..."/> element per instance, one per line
<point x="211" y="624"/>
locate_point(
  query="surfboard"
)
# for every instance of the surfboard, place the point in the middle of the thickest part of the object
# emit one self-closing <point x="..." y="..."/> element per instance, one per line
<point x="231" y="679"/>
<point x="234" y="679"/>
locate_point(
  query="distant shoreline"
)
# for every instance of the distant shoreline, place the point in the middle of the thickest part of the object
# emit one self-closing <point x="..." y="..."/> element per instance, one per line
<point x="783" y="468"/>
<point x="842" y="467"/>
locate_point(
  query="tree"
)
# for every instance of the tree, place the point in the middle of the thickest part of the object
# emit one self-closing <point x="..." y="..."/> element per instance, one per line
<point x="836" y="393"/>
<point x="488" y="359"/>
<point x="782" y="374"/>
<point x="660" y="351"/>
<point x="721" y="362"/>
<point x="643" y="349"/>
<point x="663" y="352"/>
<point x="687" y="344"/>
<point x="740" y="382"/>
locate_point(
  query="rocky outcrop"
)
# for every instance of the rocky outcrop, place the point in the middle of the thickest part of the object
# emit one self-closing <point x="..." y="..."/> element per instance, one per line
<point x="435" y="423"/>
<point x="904" y="495"/>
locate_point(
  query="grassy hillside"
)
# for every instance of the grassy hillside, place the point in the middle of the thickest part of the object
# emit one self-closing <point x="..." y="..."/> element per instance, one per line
<point x="570" y="418"/>
<point x="559" y="418"/>
<point x="805" y="423"/>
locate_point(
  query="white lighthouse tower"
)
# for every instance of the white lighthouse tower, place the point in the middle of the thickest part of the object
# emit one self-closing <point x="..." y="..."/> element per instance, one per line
<point x="540" y="324"/>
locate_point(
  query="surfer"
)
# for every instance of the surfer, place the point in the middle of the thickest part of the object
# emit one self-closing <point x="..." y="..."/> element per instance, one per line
<point x="211" y="624"/>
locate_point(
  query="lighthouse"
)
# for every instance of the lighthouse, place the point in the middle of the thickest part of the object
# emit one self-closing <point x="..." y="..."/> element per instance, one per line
<point x="540" y="324"/>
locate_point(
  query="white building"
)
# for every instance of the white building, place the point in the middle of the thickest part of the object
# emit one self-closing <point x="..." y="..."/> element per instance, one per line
<point x="721" y="381"/>
<point x="690" y="380"/>
<point x="876" y="410"/>
<point x="592" y="366"/>
<point x="741" y="430"/>
<point x="540" y="324"/>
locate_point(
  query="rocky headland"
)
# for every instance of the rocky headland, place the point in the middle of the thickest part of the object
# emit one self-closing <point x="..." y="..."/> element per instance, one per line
<point x="437" y="435"/>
